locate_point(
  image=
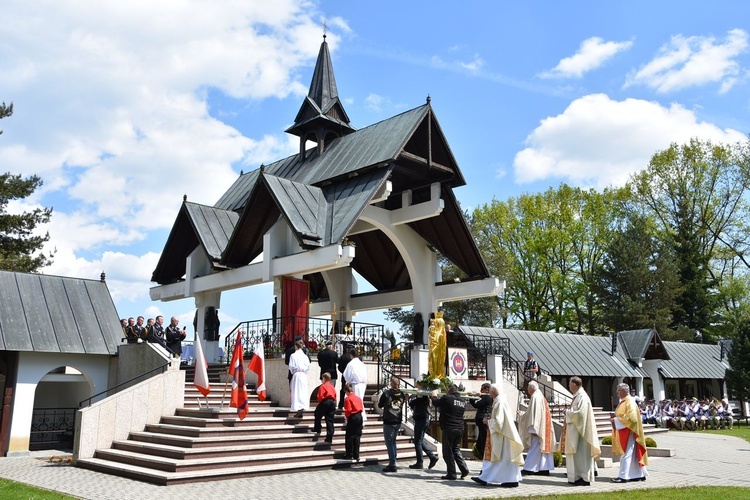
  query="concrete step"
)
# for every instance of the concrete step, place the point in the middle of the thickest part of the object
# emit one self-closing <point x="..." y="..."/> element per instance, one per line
<point x="265" y="438"/>
<point x="205" y="463"/>
<point x="313" y="443"/>
<point x="168" y="478"/>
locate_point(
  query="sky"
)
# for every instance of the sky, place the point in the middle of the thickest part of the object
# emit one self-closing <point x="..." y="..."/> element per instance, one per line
<point x="122" y="108"/>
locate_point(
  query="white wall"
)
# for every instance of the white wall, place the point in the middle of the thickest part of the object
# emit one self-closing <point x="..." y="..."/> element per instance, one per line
<point x="32" y="366"/>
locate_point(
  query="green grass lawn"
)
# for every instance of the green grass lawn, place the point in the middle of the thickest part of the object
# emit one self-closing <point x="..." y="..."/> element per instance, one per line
<point x="685" y="493"/>
<point x="740" y="432"/>
<point x="11" y="490"/>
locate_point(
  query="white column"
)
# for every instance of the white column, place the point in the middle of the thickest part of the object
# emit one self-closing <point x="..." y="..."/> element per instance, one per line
<point x="651" y="367"/>
<point x="495" y="368"/>
<point x="202" y="302"/>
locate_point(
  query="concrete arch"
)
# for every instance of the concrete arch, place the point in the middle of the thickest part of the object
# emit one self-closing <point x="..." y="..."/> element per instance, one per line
<point x="420" y="261"/>
<point x="32" y="368"/>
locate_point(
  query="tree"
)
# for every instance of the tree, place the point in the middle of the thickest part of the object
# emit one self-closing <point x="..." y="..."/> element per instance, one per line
<point x="738" y="376"/>
<point x="19" y="246"/>
<point x="546" y="246"/>
<point x="636" y="283"/>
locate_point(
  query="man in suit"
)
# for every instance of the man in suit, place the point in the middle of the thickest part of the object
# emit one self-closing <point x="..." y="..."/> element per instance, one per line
<point x="328" y="360"/>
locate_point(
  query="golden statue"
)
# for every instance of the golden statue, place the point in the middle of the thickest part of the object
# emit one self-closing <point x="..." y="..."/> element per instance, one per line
<point x="438" y="346"/>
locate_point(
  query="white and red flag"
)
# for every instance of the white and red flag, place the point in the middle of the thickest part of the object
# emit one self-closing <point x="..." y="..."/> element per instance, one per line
<point x="200" y="380"/>
<point x="237" y="370"/>
<point x="258" y="365"/>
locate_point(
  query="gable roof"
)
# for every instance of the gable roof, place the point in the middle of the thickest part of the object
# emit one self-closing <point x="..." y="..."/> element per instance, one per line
<point x="564" y="354"/>
<point x="56" y="314"/>
<point x="642" y="344"/>
<point x="322" y="195"/>
<point x="195" y="225"/>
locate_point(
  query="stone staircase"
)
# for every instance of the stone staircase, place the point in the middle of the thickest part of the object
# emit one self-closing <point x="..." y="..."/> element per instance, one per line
<point x="202" y="443"/>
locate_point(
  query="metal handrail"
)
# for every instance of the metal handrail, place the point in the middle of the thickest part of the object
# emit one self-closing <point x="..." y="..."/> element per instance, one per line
<point x="315" y="332"/>
<point x="161" y="369"/>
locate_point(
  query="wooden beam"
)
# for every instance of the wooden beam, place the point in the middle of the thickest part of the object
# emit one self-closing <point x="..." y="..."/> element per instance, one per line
<point x="424" y="161"/>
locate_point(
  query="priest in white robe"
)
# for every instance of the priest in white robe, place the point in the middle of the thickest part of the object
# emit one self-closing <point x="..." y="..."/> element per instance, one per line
<point x="503" y="455"/>
<point x="581" y="440"/>
<point x="538" y="434"/>
<point x="628" y="440"/>
<point x="356" y="375"/>
<point x="299" y="365"/>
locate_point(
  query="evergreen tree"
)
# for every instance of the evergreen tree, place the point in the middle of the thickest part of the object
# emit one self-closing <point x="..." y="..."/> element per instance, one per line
<point x="738" y="376"/>
<point x="637" y="282"/>
<point x="19" y="246"/>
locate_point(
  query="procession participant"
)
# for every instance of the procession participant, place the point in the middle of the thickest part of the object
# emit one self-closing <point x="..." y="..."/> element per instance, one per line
<point x="581" y="443"/>
<point x="538" y="434"/>
<point x="356" y="374"/>
<point x="392" y="403"/>
<point x="299" y="365"/>
<point x="503" y="457"/>
<point x="328" y="358"/>
<point x="483" y="406"/>
<point x="420" y="412"/>
<point x="353" y="411"/>
<point x="452" y="407"/>
<point x="326" y="407"/>
<point x="628" y="439"/>
<point x="344" y="360"/>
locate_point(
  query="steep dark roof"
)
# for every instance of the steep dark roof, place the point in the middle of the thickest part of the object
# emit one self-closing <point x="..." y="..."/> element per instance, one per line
<point x="642" y="344"/>
<point x="195" y="225"/>
<point x="322" y="107"/>
<point x="322" y="192"/>
<point x="55" y="314"/>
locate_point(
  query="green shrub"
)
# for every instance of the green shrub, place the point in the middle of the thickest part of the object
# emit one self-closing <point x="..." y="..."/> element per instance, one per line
<point x="558" y="458"/>
<point x="607" y="440"/>
<point x="476" y="452"/>
<point x="650" y="443"/>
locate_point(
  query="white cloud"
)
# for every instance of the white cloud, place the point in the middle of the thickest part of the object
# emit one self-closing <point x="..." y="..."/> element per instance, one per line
<point x="693" y="61"/>
<point x="377" y="102"/>
<point x="111" y="110"/>
<point x="599" y="142"/>
<point x="592" y="53"/>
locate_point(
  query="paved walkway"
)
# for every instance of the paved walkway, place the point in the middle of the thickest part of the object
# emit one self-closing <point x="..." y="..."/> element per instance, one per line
<point x="702" y="459"/>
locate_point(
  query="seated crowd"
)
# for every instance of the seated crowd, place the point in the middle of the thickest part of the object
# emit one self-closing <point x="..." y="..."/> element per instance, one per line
<point x="688" y="414"/>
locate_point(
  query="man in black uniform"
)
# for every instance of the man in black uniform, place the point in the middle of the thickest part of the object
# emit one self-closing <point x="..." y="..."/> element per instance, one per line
<point x="420" y="411"/>
<point x="174" y="337"/>
<point x="484" y="408"/>
<point x="343" y="362"/>
<point x="452" y="407"/>
<point x="156" y="331"/>
<point x="328" y="358"/>
<point x="131" y="333"/>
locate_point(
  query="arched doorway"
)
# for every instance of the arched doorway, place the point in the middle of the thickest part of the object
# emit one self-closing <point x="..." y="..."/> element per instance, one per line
<point x="55" y="403"/>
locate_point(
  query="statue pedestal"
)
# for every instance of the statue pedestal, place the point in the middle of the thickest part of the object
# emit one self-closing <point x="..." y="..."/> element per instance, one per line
<point x="420" y="361"/>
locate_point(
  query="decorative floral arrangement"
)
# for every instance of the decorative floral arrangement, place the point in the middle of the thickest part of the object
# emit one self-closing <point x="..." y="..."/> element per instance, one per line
<point x="61" y="459"/>
<point x="432" y="383"/>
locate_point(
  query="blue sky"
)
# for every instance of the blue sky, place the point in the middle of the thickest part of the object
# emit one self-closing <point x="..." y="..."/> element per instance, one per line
<point x="124" y="108"/>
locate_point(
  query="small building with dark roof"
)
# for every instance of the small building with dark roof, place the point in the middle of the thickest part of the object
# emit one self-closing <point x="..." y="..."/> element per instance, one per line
<point x="656" y="369"/>
<point x="57" y="338"/>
